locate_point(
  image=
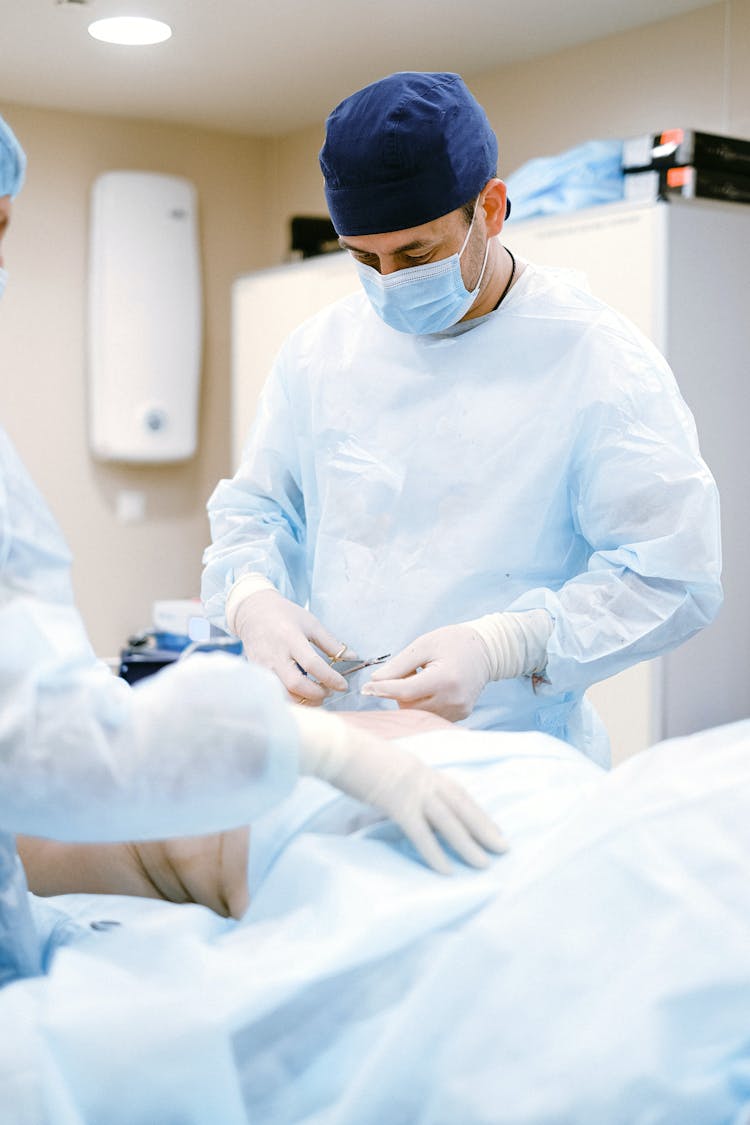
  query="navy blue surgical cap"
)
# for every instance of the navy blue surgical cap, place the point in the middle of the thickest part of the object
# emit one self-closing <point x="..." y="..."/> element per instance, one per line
<point x="404" y="151"/>
<point x="12" y="162"/>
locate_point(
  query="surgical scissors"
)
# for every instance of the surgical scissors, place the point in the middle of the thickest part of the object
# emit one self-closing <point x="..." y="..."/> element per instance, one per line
<point x="348" y="667"/>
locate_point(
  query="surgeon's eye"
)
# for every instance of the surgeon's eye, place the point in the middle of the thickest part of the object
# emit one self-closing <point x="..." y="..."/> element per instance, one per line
<point x="365" y="259"/>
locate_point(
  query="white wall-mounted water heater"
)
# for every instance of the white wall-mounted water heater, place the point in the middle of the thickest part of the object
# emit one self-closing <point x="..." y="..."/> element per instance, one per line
<point x="144" y="318"/>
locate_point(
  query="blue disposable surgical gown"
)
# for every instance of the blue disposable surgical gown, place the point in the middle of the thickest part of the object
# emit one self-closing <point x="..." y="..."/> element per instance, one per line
<point x="540" y="456"/>
<point x="204" y="746"/>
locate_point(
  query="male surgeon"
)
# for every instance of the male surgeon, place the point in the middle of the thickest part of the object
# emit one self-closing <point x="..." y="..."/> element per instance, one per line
<point x="204" y="747"/>
<point x="471" y="464"/>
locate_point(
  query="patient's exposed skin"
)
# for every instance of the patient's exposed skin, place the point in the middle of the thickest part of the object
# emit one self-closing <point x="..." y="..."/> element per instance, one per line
<point x="209" y="870"/>
<point x="396" y="724"/>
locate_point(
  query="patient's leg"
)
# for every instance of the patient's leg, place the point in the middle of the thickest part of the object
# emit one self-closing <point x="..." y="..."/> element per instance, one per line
<point x="210" y="870"/>
<point x="54" y="868"/>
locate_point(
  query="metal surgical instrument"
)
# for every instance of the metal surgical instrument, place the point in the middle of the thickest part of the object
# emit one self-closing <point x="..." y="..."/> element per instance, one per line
<point x="348" y="667"/>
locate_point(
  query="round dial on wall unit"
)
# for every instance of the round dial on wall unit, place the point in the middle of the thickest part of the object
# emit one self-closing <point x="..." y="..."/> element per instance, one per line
<point x="155" y="419"/>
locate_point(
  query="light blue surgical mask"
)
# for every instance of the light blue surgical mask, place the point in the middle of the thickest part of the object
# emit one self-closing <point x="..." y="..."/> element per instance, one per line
<point x="3" y="279"/>
<point x="422" y="299"/>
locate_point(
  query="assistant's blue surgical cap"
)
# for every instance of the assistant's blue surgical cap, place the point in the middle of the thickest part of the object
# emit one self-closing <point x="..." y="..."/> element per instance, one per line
<point x="404" y="151"/>
<point x="12" y="161"/>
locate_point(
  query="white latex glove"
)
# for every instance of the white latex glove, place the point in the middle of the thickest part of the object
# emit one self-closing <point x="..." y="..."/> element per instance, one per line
<point x="279" y="635"/>
<point x="445" y="671"/>
<point x="422" y="801"/>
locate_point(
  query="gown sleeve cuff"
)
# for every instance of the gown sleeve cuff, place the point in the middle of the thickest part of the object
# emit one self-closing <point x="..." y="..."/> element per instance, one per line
<point x="516" y="642"/>
<point x="243" y="588"/>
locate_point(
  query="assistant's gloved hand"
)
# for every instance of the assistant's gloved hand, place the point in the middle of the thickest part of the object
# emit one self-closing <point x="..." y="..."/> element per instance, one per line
<point x="445" y="671"/>
<point x="277" y="634"/>
<point x="422" y="801"/>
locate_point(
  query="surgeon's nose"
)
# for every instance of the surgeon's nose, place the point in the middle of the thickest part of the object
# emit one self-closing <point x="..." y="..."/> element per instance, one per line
<point x="389" y="265"/>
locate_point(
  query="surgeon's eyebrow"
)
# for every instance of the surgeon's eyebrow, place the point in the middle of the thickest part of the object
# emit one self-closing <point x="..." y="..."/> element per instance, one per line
<point x="417" y="244"/>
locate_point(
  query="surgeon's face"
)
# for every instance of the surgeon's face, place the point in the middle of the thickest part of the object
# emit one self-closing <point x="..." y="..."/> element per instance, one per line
<point x="433" y="241"/>
<point x="5" y="208"/>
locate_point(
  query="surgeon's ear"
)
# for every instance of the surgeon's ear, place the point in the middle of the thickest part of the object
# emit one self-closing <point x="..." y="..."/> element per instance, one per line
<point x="493" y="200"/>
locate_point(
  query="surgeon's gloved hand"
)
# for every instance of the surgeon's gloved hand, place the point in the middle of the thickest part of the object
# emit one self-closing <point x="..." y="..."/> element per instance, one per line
<point x="445" y="671"/>
<point x="280" y="635"/>
<point x="423" y="802"/>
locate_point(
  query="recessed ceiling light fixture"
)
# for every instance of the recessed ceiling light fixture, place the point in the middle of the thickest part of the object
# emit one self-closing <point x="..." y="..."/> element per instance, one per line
<point x="130" y="31"/>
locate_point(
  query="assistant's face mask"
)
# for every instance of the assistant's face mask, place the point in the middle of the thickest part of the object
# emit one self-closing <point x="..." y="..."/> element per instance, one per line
<point x="422" y="299"/>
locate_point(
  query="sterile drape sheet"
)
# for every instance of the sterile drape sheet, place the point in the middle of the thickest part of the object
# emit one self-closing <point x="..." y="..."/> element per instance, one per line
<point x="598" y="974"/>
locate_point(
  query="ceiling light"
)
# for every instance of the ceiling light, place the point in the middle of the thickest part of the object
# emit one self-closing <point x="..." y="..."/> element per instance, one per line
<point x="131" y="31"/>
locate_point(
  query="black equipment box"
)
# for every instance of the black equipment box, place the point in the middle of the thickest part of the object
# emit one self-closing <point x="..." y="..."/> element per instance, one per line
<point x="689" y="182"/>
<point x="686" y="147"/>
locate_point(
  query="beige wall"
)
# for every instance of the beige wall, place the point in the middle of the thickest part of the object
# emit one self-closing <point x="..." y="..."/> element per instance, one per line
<point x="689" y="71"/>
<point x="296" y="187"/>
<point x="119" y="569"/>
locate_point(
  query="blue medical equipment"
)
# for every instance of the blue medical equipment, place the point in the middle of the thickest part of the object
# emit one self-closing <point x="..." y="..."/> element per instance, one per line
<point x="149" y="652"/>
